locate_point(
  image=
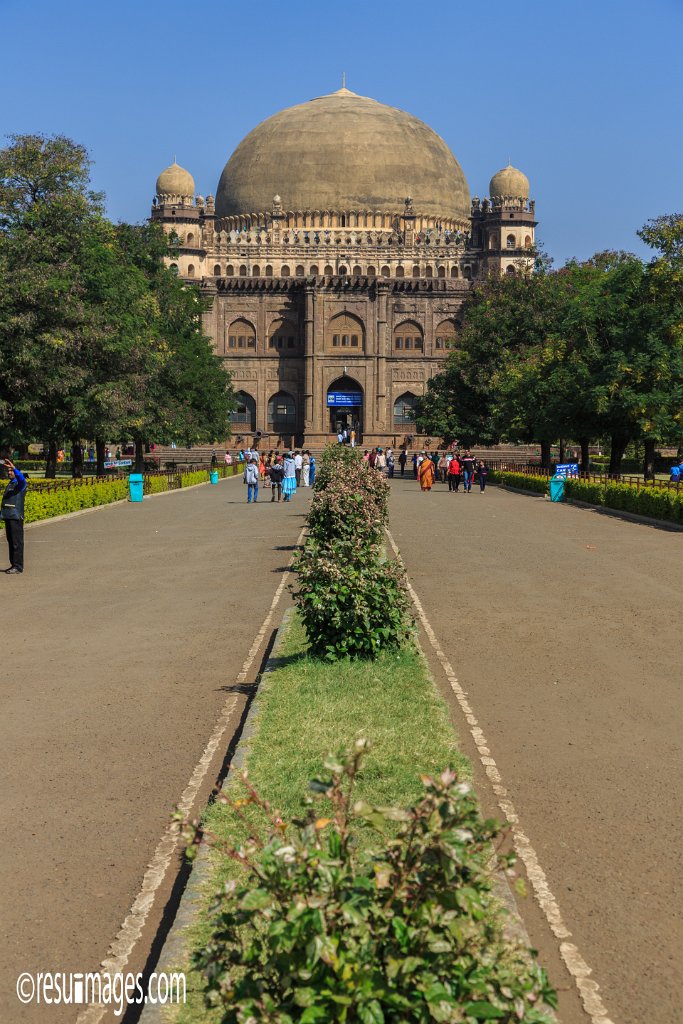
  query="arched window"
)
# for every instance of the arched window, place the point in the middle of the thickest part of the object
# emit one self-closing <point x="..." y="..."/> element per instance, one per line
<point x="371" y="271"/>
<point x="408" y="336"/>
<point x="357" y="271"/>
<point x="454" y="271"/>
<point x="217" y="270"/>
<point x="174" y="268"/>
<point x="282" y="413"/>
<point x="442" y="272"/>
<point x="429" y="272"/>
<point x="343" y="271"/>
<point x="467" y="273"/>
<point x="345" y="331"/>
<point x="510" y="270"/>
<point x="285" y="271"/>
<point x="314" y="270"/>
<point x="243" y="271"/>
<point x="190" y="270"/>
<point x="256" y="271"/>
<point x="510" y="242"/>
<point x="240" y="335"/>
<point x="343" y="221"/>
<point x="404" y="408"/>
<point x="283" y="337"/>
<point x="328" y="271"/>
<point x="445" y="335"/>
<point x="400" y="272"/>
<point x="269" y="271"/>
<point x="229" y="270"/>
<point x="189" y="240"/>
<point x="527" y="242"/>
<point x="243" y="416"/>
<point x="416" y="271"/>
<point x="299" y="271"/>
<point x="386" y="272"/>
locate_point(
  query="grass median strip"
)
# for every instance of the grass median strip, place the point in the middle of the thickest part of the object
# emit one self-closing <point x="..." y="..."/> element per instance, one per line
<point x="307" y="709"/>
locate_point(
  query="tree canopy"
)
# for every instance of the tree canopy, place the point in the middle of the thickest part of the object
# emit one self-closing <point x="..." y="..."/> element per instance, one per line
<point x="99" y="339"/>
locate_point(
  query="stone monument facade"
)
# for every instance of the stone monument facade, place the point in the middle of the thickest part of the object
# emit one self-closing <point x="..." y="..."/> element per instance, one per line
<point x="335" y="258"/>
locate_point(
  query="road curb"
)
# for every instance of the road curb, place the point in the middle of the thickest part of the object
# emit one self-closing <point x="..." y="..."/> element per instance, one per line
<point x="614" y="513"/>
<point x="173" y="954"/>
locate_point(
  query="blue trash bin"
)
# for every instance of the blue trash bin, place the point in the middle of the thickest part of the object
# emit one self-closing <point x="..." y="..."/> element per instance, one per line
<point x="557" y="488"/>
<point x="135" y="484"/>
<point x="213" y="476"/>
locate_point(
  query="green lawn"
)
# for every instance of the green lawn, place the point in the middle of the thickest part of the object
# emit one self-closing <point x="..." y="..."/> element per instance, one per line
<point x="307" y="709"/>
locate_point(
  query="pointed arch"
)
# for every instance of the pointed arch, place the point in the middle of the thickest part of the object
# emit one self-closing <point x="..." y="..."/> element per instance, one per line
<point x="345" y="331"/>
<point x="404" y="409"/>
<point x="408" y="336"/>
<point x="243" y="416"/>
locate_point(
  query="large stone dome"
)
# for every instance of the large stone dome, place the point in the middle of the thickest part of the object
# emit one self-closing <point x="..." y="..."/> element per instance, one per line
<point x="344" y="152"/>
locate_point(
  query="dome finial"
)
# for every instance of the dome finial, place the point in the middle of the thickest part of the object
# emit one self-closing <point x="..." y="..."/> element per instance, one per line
<point x="343" y="79"/>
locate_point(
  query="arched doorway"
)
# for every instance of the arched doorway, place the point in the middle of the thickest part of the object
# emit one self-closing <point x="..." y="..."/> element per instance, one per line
<point x="345" y="405"/>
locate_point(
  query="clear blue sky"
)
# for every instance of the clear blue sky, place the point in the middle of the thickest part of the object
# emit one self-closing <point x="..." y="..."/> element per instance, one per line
<point x="585" y="97"/>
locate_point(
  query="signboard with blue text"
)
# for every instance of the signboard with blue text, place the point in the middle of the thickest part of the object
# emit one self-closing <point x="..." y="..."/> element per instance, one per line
<point x="567" y="469"/>
<point x="344" y="398"/>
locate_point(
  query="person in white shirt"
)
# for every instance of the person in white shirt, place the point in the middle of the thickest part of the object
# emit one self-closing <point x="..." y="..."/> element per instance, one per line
<point x="298" y="463"/>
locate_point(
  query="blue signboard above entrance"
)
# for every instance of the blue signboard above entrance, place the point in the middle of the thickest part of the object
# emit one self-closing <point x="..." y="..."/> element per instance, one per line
<point x="343" y="398"/>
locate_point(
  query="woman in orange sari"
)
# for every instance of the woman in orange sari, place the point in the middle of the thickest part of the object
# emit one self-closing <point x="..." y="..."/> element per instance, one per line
<point x="425" y="473"/>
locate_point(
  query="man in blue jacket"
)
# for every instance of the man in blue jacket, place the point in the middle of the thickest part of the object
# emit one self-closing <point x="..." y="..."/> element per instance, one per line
<point x="12" y="513"/>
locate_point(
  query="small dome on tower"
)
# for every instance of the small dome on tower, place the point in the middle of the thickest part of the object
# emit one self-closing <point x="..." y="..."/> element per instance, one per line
<point x="175" y="181"/>
<point x="509" y="182"/>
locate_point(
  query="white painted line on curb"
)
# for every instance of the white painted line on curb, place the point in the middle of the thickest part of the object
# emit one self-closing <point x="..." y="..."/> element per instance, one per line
<point x="121" y="948"/>
<point x="576" y="965"/>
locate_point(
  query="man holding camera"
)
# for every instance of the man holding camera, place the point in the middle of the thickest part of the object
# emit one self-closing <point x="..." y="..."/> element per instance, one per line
<point x="12" y="514"/>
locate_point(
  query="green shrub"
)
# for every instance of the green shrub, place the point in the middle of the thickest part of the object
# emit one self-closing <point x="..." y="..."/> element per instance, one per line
<point x="405" y="930"/>
<point x="41" y="505"/>
<point x="352" y="602"/>
<point x="156" y="484"/>
<point x="197" y="476"/>
<point x="521" y="480"/>
<point x="353" y="505"/>
<point x="653" y="502"/>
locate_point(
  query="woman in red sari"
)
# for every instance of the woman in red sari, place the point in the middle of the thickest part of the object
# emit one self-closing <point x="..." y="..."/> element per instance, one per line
<point x="425" y="473"/>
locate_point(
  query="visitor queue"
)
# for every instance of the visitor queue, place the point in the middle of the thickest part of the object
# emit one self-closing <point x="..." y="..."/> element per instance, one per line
<point x="453" y="467"/>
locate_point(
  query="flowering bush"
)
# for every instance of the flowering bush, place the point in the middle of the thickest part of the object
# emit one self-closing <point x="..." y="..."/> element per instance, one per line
<point x="351" y="606"/>
<point x="407" y="930"/>
<point x="352" y="506"/>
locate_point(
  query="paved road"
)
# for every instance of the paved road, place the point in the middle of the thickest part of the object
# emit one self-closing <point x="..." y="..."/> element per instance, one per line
<point x="121" y="643"/>
<point x="564" y="626"/>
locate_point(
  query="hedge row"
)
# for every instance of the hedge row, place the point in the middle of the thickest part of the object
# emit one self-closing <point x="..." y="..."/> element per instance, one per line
<point x="643" y="501"/>
<point x="41" y="505"/>
<point x="538" y="484"/>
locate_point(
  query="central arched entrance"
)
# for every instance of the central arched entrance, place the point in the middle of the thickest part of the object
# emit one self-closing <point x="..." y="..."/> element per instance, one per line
<point x="345" y="405"/>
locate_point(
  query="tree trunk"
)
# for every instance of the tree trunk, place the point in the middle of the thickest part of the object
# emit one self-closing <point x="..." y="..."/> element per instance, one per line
<point x="585" y="455"/>
<point x="649" y="460"/>
<point x="76" y="460"/>
<point x="51" y="462"/>
<point x="562" y="449"/>
<point x="139" y="455"/>
<point x="618" y="448"/>
<point x="99" y="454"/>
<point x="545" y="454"/>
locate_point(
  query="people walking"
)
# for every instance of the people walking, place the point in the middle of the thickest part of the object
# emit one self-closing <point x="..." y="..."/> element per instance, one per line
<point x="298" y="466"/>
<point x="251" y="478"/>
<point x="276" y="474"/>
<point x="426" y="472"/>
<point x="311" y="475"/>
<point x="227" y="458"/>
<point x="442" y="466"/>
<point x="390" y="463"/>
<point x="467" y="471"/>
<point x="306" y="468"/>
<point x="380" y="460"/>
<point x="454" y="474"/>
<point x="289" y="477"/>
<point x="415" y="465"/>
<point x="402" y="459"/>
<point x="482" y="472"/>
<point x="12" y="514"/>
